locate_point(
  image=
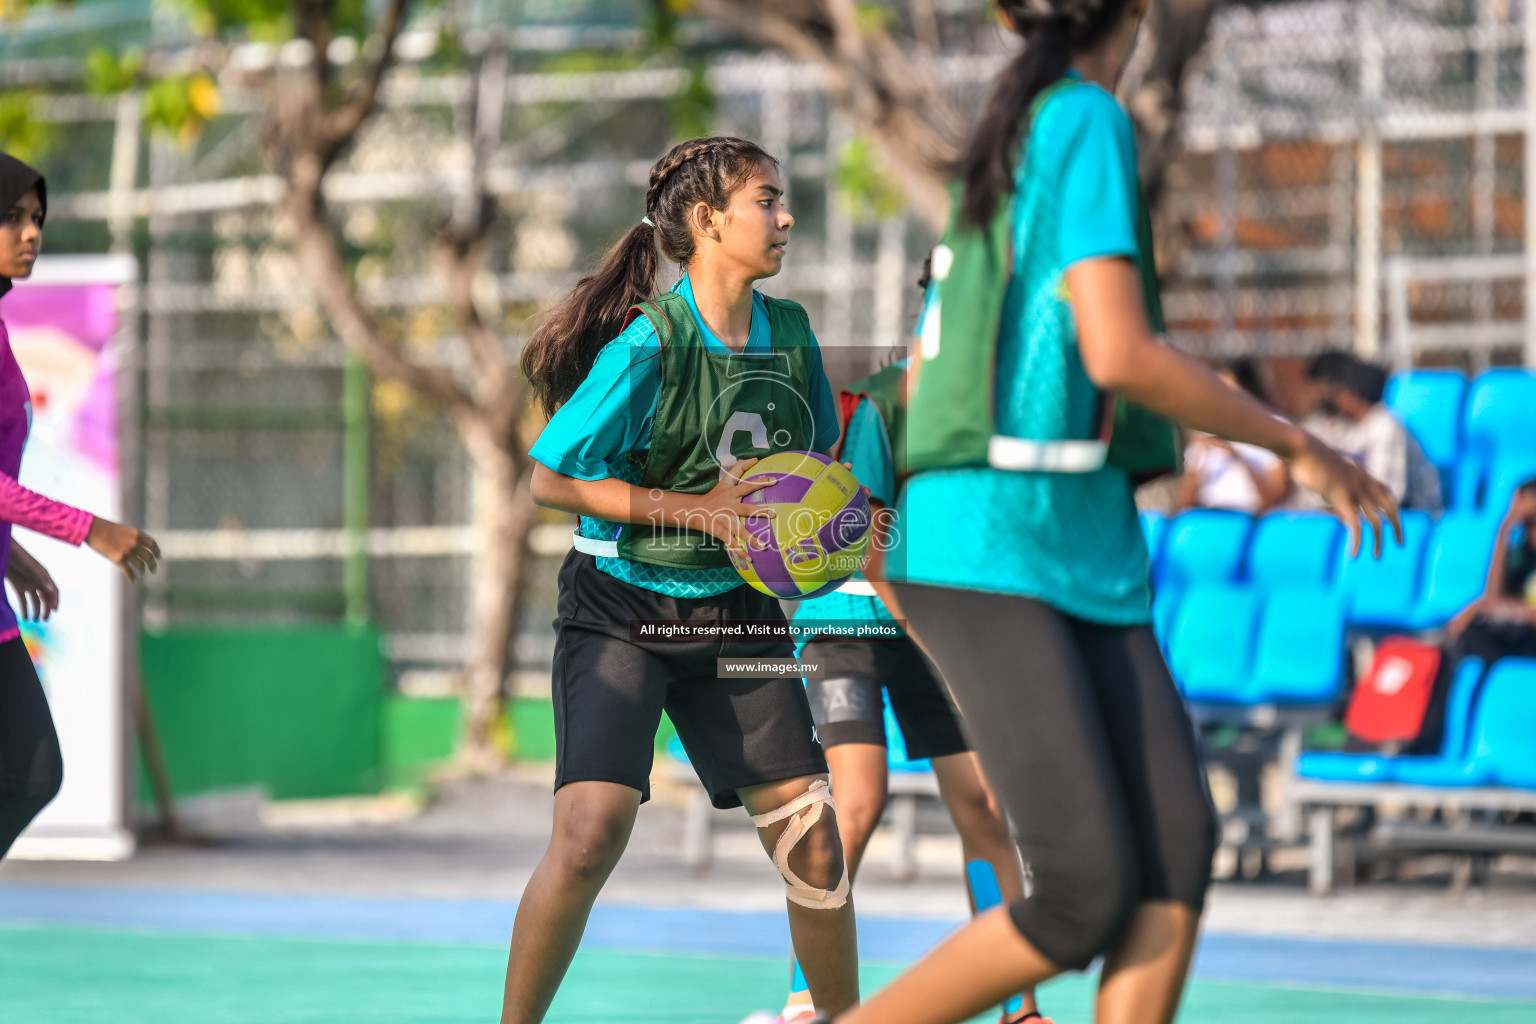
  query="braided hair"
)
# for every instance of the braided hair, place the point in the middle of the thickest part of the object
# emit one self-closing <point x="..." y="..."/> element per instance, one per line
<point x="1053" y="30"/>
<point x="560" y="353"/>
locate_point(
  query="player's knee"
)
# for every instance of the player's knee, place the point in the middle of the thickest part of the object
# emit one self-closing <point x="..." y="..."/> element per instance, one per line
<point x="818" y="858"/>
<point x="1075" y="914"/>
<point x="807" y="850"/>
<point x="38" y="780"/>
<point x="1189" y="868"/>
<point x="859" y="811"/>
<point x="46" y="787"/>
<point x="978" y="820"/>
<point x="590" y="844"/>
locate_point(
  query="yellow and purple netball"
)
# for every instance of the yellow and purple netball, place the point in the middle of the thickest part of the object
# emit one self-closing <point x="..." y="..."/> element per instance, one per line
<point x="818" y="534"/>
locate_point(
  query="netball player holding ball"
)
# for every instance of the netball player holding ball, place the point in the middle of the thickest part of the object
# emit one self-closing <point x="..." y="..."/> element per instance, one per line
<point x="657" y="408"/>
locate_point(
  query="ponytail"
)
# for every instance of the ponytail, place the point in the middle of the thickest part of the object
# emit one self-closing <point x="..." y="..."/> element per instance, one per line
<point x="1053" y="30"/>
<point x="561" y="351"/>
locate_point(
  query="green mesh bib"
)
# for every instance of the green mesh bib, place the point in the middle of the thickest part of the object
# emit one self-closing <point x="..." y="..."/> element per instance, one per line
<point x="886" y="390"/>
<point x="715" y="409"/>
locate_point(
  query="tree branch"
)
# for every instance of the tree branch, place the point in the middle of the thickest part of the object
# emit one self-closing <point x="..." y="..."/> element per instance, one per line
<point x="497" y="387"/>
<point x="890" y="97"/>
<point x="496" y="390"/>
<point x="1155" y="97"/>
<point x="1153" y="91"/>
<point x="319" y="256"/>
<point x="342" y="125"/>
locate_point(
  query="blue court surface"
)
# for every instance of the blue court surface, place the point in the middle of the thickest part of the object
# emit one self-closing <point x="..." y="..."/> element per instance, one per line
<point x="94" y="955"/>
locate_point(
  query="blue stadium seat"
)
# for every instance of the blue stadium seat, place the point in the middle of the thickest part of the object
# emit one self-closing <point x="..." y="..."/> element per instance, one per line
<point x="1455" y="567"/>
<point x="1505" y="473"/>
<point x="1383" y="592"/>
<point x="1428" y="402"/>
<point x="1165" y="605"/>
<point x="1328" y="766"/>
<point x="1154" y="527"/>
<point x="1469" y="477"/>
<point x="1499" y="750"/>
<point x="1294" y="548"/>
<point x="1501" y="411"/>
<point x="1506" y="743"/>
<point x="1299" y="653"/>
<point x="1210" y="646"/>
<point x="1337" y="766"/>
<point x="1204" y="546"/>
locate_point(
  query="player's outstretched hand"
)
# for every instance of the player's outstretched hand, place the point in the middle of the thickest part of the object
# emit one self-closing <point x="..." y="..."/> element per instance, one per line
<point x="1352" y="492"/>
<point x="127" y="547"/>
<point x="35" y="589"/>
<point x="723" y="505"/>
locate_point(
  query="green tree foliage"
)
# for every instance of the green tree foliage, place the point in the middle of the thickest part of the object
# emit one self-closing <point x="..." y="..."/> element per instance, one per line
<point x="22" y="134"/>
<point x="865" y="184"/>
<point x="108" y="73"/>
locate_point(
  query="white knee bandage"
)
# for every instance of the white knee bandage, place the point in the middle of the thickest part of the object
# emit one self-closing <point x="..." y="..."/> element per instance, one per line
<point x="810" y="803"/>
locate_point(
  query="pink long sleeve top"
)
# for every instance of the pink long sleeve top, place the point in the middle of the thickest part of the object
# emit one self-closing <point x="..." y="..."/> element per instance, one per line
<point x="19" y="506"/>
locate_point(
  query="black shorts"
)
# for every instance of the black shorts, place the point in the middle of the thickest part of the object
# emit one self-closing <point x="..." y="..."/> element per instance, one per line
<point x="1082" y="735"/>
<point x="846" y="703"/>
<point x="609" y="691"/>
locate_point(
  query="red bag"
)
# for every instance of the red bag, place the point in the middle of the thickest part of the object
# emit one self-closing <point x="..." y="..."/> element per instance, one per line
<point x="1389" y="704"/>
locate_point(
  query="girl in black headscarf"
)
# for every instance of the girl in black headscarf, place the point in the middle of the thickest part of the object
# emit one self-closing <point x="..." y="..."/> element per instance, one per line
<point x="31" y="767"/>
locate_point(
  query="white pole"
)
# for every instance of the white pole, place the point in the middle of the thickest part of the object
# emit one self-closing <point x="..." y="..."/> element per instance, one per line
<point x="1484" y="179"/>
<point x="1530" y="183"/>
<point x="1368" y="176"/>
<point x="1227" y="196"/>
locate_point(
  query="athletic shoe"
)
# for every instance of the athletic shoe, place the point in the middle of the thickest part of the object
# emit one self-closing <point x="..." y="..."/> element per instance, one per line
<point x="799" y="1015"/>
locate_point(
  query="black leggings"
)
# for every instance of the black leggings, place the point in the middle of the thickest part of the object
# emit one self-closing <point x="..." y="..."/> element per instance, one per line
<point x="31" y="767"/>
<point x="1086" y="742"/>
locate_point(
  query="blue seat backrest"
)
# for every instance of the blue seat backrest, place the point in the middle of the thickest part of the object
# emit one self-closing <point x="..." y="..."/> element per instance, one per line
<point x="1429" y="403"/>
<point x="1165" y="605"/>
<point x="1459" y="702"/>
<point x="1210" y="647"/>
<point x="1393" y="579"/>
<point x="1204" y="546"/>
<point x="1299" y="656"/>
<point x="1470" y="477"/>
<point x="1154" y="527"/>
<point x="1294" y="548"/>
<point x="1507" y="470"/>
<point x="1504" y="732"/>
<point x="1455" y="565"/>
<point x="1501" y="411"/>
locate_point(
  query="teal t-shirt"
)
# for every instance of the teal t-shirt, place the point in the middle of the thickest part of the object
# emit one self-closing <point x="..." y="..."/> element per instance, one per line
<point x="1071" y="540"/>
<point x="868" y="449"/>
<point x="604" y="431"/>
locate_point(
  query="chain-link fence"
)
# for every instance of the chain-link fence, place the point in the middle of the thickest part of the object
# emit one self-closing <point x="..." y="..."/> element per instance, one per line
<point x="1352" y="174"/>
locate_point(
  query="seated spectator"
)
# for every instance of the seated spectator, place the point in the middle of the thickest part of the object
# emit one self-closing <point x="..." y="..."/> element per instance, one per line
<point x="1352" y="419"/>
<point x="1502" y="623"/>
<point x="1226" y="474"/>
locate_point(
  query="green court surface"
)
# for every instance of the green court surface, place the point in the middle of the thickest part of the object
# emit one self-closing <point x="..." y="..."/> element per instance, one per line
<point x="72" y="975"/>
